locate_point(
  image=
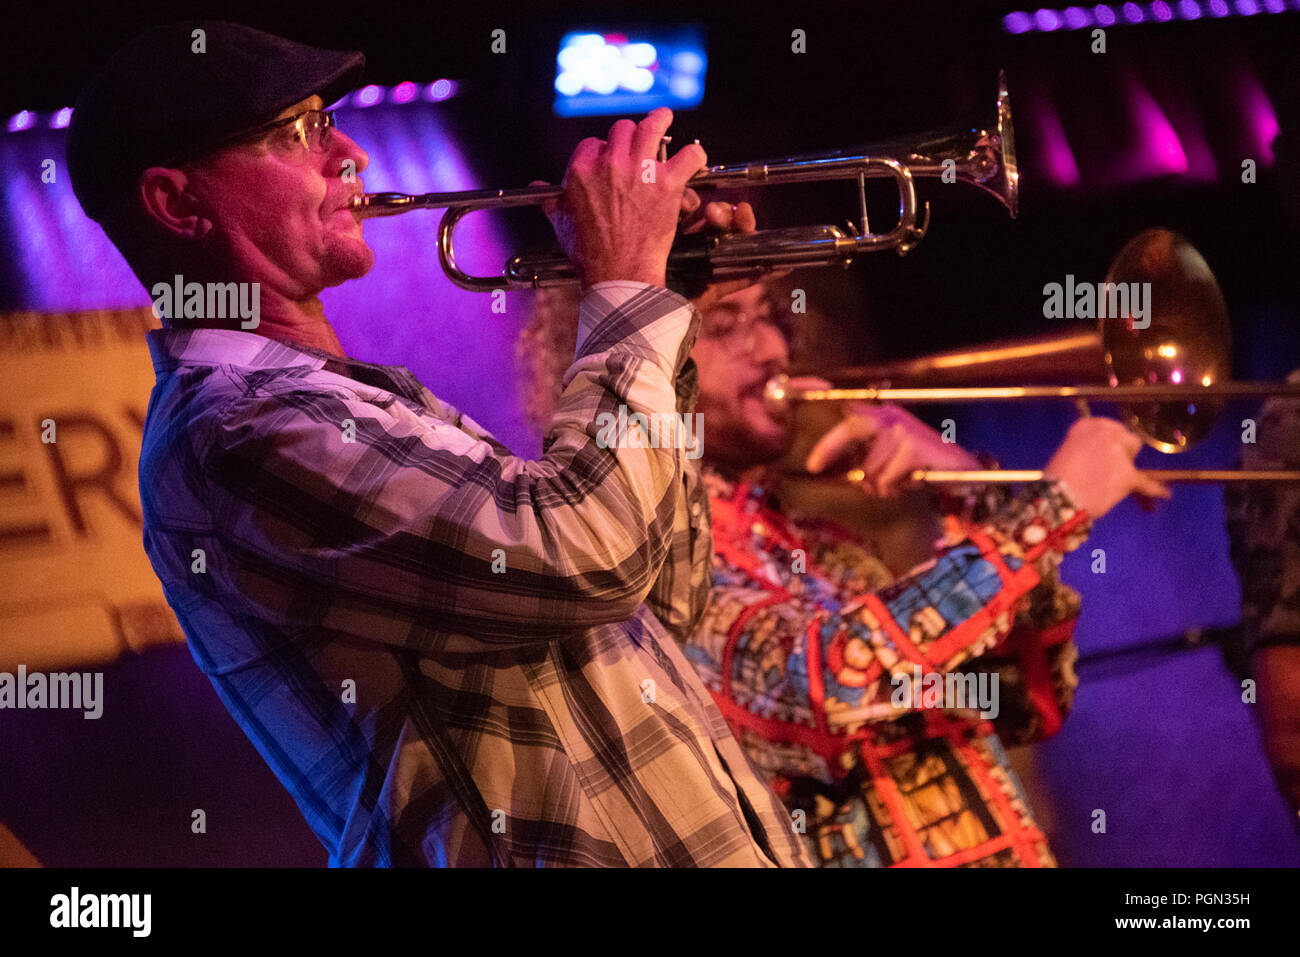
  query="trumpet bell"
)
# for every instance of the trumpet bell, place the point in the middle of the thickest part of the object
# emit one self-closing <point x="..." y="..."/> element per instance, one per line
<point x="982" y="155"/>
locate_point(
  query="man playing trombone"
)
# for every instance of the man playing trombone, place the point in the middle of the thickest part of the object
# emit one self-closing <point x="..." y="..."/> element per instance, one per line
<point x="809" y="638"/>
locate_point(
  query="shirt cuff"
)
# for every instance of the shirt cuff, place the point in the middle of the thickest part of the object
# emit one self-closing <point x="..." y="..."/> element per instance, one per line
<point x="1046" y="517"/>
<point x="638" y="316"/>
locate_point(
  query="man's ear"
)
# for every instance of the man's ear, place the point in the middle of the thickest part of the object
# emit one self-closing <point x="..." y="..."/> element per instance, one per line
<point x="168" y="199"/>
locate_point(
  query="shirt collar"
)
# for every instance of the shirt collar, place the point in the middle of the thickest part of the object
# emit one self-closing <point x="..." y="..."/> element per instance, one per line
<point x="229" y="347"/>
<point x="171" y="348"/>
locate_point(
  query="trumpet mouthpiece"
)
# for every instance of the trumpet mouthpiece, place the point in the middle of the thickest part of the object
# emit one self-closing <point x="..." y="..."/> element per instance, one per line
<point x="368" y="205"/>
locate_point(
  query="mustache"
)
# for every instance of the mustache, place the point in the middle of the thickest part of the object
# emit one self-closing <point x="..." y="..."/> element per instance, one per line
<point x="756" y="385"/>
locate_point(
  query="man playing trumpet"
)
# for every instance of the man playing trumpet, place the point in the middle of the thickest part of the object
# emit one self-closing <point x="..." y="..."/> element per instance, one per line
<point x="448" y="654"/>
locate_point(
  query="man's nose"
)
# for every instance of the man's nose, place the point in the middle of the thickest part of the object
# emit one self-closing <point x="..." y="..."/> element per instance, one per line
<point x="769" y="345"/>
<point x="344" y="147"/>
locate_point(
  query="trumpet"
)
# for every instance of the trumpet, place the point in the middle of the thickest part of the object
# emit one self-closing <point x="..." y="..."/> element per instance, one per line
<point x="981" y="155"/>
<point x="1169" y="378"/>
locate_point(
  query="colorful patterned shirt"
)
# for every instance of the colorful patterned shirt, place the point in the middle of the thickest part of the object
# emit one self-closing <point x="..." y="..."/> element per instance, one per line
<point x="443" y="651"/>
<point x="807" y="631"/>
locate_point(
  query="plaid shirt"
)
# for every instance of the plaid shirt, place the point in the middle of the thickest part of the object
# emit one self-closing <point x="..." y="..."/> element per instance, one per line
<point x="444" y="652"/>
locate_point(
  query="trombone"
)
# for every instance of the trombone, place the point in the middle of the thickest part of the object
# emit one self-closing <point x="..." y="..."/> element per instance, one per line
<point x="1169" y="378"/>
<point x="982" y="155"/>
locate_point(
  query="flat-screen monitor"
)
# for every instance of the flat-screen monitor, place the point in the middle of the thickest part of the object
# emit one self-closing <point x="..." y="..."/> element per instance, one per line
<point x="632" y="71"/>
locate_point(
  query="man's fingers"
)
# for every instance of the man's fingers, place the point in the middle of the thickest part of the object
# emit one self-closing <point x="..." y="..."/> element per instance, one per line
<point x="883" y="448"/>
<point x="645" y="139"/>
<point x="690" y="201"/>
<point x="883" y="413"/>
<point x="549" y="206"/>
<point x="621" y="138"/>
<point x="719" y="290"/>
<point x="718" y="215"/>
<point x="743" y="219"/>
<point x="808" y="382"/>
<point x="1150" y="487"/>
<point x="896" y="468"/>
<point x="738" y="218"/>
<point x="843" y="437"/>
<point x="687" y="161"/>
<point x="585" y="153"/>
<point x="827" y="447"/>
<point x="1132" y="442"/>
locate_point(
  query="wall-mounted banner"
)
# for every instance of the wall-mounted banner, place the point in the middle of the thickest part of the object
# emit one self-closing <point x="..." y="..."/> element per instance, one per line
<point x="76" y="588"/>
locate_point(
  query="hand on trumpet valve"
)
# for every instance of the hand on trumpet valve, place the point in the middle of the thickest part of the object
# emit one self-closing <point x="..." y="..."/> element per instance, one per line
<point x="882" y="444"/>
<point x="615" y="221"/>
<point x="718" y="218"/>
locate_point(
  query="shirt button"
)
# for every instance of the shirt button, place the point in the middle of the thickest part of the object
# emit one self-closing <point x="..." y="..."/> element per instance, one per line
<point x="696" y="509"/>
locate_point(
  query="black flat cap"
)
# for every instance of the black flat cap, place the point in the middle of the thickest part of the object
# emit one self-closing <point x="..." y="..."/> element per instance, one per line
<point x="156" y="100"/>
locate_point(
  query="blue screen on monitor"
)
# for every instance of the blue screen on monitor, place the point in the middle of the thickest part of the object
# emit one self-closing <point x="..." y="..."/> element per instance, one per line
<point x="634" y="71"/>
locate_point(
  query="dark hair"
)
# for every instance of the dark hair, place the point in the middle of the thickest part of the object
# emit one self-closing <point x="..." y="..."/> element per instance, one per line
<point x="545" y="346"/>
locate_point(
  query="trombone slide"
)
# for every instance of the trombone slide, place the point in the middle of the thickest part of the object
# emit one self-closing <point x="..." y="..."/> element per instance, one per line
<point x="1202" y="476"/>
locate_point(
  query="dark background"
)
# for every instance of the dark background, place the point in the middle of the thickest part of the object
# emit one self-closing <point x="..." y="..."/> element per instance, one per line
<point x="1162" y="743"/>
<point x="872" y="70"/>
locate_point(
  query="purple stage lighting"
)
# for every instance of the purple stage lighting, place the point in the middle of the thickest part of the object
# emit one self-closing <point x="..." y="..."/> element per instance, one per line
<point x="1076" y="18"/>
<point x="368" y="96"/>
<point x="1159" y="152"/>
<point x="440" y="90"/>
<point x="1018" y="22"/>
<point x="1046" y="20"/>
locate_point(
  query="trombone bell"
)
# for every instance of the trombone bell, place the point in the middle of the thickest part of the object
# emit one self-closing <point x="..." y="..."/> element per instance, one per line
<point x="1188" y="339"/>
<point x="1170" y="374"/>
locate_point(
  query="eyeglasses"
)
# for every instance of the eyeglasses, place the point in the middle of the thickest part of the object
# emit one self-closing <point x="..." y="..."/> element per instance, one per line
<point x="738" y="328"/>
<point x="311" y="128"/>
<point x="310" y="132"/>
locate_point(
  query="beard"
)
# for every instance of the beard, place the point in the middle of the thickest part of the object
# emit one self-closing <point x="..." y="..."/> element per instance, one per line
<point x="730" y="439"/>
